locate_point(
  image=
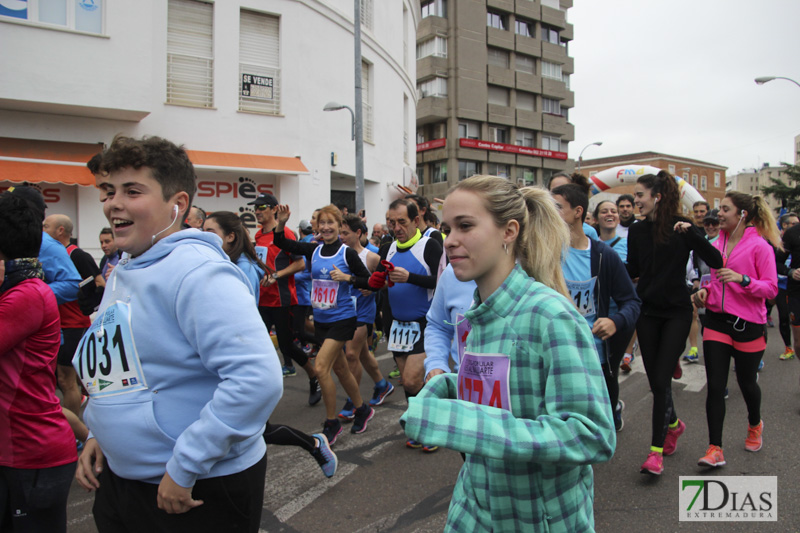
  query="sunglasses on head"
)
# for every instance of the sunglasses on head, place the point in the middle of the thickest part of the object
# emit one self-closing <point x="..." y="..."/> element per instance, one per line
<point x="710" y="223"/>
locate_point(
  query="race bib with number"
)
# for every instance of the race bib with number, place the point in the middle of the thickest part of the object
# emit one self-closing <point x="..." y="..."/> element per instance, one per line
<point x="261" y="252"/>
<point x="403" y="336"/>
<point x="483" y="379"/>
<point x="106" y="359"/>
<point x="324" y="293"/>
<point x="583" y="295"/>
<point x="463" y="327"/>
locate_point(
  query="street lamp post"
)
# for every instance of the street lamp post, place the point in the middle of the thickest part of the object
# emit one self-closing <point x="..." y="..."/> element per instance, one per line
<point x="765" y="79"/>
<point x="580" y="156"/>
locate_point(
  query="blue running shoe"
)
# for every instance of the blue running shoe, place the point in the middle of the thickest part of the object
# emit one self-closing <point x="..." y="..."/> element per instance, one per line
<point x="324" y="455"/>
<point x="348" y="412"/>
<point x="289" y="371"/>
<point x="381" y="393"/>
<point x="760" y="365"/>
<point x="331" y="429"/>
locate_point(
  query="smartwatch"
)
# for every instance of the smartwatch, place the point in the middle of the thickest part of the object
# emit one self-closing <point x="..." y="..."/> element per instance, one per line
<point x="745" y="280"/>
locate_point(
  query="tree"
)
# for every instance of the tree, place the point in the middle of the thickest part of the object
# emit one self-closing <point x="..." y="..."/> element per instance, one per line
<point x="787" y="194"/>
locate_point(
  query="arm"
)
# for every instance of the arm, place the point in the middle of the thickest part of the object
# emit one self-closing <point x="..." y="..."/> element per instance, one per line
<point x="702" y="248"/>
<point x="574" y="427"/>
<point x="633" y="253"/>
<point x="765" y="283"/>
<point x="432" y="255"/>
<point x="438" y="333"/>
<point x="59" y="272"/>
<point x="293" y="268"/>
<point x="359" y="273"/>
<point x="305" y="249"/>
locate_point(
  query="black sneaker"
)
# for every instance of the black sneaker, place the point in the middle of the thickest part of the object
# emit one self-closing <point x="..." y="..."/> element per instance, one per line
<point x="618" y="422"/>
<point x="331" y="429"/>
<point x="316" y="392"/>
<point x="362" y="415"/>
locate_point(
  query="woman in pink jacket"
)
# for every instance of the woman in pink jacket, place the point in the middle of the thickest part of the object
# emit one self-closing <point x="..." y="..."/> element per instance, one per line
<point x="736" y="315"/>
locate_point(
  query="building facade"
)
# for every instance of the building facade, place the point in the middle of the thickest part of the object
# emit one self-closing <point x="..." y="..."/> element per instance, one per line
<point x="241" y="83"/>
<point x="493" y="89"/>
<point x="708" y="178"/>
<point x="751" y="181"/>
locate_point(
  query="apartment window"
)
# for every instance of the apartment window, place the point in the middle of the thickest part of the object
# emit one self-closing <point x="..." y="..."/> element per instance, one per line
<point x="524" y="63"/>
<point x="716" y="203"/>
<point x="551" y="106"/>
<point x="436" y="86"/>
<point x="550" y="34"/>
<point x="498" y="134"/>
<point x="526" y="176"/>
<point x="439" y="174"/>
<point x="524" y="138"/>
<point x="694" y="180"/>
<point x="259" y="63"/>
<point x="499" y="58"/>
<point x="552" y="71"/>
<point x="80" y="15"/>
<point x="366" y="100"/>
<point x="551" y="143"/>
<point x="703" y="183"/>
<point x="498" y="95"/>
<point x="497" y="169"/>
<point x="565" y="79"/>
<point x="467" y="169"/>
<point x="523" y="27"/>
<point x="435" y="46"/>
<point x="434" y="8"/>
<point x="421" y="174"/>
<point x="496" y="20"/>
<point x="190" y="53"/>
<point x="686" y="176"/>
<point x="420" y="136"/>
<point x="367" y="20"/>
<point x="551" y="3"/>
<point x="717" y="178"/>
<point x="525" y="101"/>
<point x="468" y="130"/>
<point x="671" y="169"/>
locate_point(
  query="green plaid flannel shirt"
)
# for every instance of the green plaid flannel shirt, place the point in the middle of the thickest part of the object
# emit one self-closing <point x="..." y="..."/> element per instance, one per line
<point x="527" y="469"/>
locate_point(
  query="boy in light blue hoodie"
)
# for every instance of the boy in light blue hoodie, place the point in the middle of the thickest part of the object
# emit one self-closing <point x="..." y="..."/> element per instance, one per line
<point x="179" y="366"/>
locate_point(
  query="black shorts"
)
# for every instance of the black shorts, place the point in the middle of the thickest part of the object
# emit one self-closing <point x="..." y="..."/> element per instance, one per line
<point x="72" y="337"/>
<point x="419" y="345"/>
<point x="341" y="330"/>
<point x="794" y="308"/>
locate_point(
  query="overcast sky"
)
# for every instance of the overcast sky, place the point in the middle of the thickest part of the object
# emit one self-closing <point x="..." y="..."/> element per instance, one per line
<point x="677" y="77"/>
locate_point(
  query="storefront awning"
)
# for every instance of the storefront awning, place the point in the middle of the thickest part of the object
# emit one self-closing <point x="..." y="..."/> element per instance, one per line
<point x="264" y="164"/>
<point x="38" y="161"/>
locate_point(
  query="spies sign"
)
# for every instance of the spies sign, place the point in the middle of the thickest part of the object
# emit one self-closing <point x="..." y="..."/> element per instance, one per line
<point x="257" y="86"/>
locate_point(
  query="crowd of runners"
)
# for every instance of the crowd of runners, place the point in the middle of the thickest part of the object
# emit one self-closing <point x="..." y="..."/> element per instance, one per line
<point x="509" y="320"/>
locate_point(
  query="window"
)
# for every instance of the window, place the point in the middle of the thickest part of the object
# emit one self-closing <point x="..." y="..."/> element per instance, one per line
<point x="190" y="53"/>
<point x="259" y="61"/>
<point x="498" y="134"/>
<point x="498" y="95"/>
<point x="551" y="3"/>
<point x="703" y="183"/>
<point x="499" y="58"/>
<point x="523" y="27"/>
<point x="551" y="106"/>
<point x="366" y="100"/>
<point x="671" y="169"/>
<point x="435" y="46"/>
<point x="565" y="79"/>
<point x="468" y="130"/>
<point x="420" y="136"/>
<point x="524" y="138"/>
<point x="685" y="176"/>
<point x="432" y="87"/>
<point x="717" y="178"/>
<point x="694" y="180"/>
<point x="550" y="34"/>
<point x="497" y="169"/>
<point x="525" y="101"/>
<point x="496" y="20"/>
<point x="421" y="174"/>
<point x="716" y="203"/>
<point x="80" y="15"/>
<point x="524" y="64"/>
<point x="405" y="128"/>
<point x="551" y="143"/>
<point x="552" y="71"/>
<point x="526" y="176"/>
<point x="467" y="169"/>
<point x="434" y="8"/>
<point x="366" y="14"/>
<point x="439" y="172"/>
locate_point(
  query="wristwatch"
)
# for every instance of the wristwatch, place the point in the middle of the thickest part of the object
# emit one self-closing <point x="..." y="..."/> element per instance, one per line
<point x="745" y="280"/>
<point x="274" y="276"/>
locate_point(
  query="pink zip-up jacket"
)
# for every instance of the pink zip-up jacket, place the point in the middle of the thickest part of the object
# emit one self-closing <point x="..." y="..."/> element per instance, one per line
<point x="753" y="256"/>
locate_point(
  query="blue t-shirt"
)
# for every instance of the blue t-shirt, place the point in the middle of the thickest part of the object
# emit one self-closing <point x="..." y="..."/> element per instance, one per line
<point x="620" y="246"/>
<point x="577" y="266"/>
<point x="590" y="231"/>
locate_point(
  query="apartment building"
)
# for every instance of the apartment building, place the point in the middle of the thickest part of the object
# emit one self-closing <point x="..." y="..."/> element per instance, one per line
<point x="493" y="90"/>
<point x="751" y="181"/>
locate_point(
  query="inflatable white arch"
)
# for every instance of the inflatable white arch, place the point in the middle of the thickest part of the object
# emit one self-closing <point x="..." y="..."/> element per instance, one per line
<point x="628" y="174"/>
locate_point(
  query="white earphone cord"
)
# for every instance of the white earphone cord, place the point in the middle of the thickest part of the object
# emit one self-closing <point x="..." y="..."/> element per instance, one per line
<point x="153" y="241"/>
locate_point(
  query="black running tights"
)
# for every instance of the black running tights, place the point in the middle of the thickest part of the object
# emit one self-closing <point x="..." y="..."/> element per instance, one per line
<point x="288" y="436"/>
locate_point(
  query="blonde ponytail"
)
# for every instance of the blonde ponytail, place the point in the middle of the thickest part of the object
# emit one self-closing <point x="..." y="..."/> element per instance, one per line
<point x="758" y="214"/>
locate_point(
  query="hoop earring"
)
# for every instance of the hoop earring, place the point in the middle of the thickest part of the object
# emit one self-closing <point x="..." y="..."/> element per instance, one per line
<point x="505" y="247"/>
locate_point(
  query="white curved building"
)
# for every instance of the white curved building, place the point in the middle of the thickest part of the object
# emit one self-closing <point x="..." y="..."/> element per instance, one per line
<point x="240" y="83"/>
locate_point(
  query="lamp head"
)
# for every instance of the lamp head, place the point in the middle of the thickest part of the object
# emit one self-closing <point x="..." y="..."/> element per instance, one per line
<point x="333" y="106"/>
<point x="764" y="79"/>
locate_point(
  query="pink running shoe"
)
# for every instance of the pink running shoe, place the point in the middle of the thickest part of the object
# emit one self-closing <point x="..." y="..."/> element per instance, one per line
<point x="654" y="464"/>
<point x="753" y="441"/>
<point x="671" y="441"/>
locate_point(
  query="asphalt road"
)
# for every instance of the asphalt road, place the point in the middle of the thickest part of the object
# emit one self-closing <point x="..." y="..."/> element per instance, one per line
<point x="383" y="486"/>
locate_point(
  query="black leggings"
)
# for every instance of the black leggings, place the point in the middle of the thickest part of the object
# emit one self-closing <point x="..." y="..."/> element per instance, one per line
<point x="611" y="374"/>
<point x="661" y="341"/>
<point x="299" y="315"/>
<point x="288" y="436"/>
<point x="281" y="318"/>
<point x="34" y="500"/>
<point x="718" y="359"/>
<point x="784" y="325"/>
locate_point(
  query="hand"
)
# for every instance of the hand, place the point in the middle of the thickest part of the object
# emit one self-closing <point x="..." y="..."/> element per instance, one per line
<point x="726" y="275"/>
<point x="699" y="298"/>
<point x="90" y="464"/>
<point x="282" y="215"/>
<point x="173" y="498"/>
<point x="432" y="373"/>
<point x="604" y="328"/>
<point x="338" y="275"/>
<point x="267" y="280"/>
<point x="796" y="274"/>
<point x="365" y="292"/>
<point x="398" y="275"/>
<point x="108" y="272"/>
<point x="682" y="227"/>
<point x="377" y="280"/>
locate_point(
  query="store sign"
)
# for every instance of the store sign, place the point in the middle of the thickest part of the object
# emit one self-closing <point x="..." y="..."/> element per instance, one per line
<point x="511" y="148"/>
<point x="231" y="193"/>
<point x="430" y="145"/>
<point x="257" y="86"/>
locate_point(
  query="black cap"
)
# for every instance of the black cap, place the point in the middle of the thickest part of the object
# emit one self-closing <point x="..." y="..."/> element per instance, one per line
<point x="264" y="199"/>
<point x="31" y="195"/>
<point x="712" y="216"/>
